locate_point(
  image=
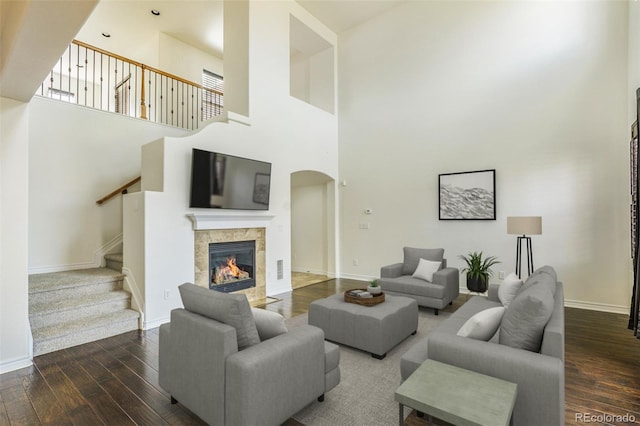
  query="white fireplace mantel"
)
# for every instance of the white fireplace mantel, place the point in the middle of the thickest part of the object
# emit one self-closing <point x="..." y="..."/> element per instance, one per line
<point x="204" y="221"/>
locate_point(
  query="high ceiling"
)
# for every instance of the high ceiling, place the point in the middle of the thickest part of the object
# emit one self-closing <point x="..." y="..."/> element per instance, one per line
<point x="200" y="23"/>
<point x="341" y="15"/>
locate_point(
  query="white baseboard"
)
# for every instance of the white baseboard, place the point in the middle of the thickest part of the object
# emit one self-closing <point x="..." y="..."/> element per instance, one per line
<point x="358" y="277"/>
<point x="601" y="307"/>
<point x="61" y="268"/>
<point x="6" y="367"/>
<point x="155" y="323"/>
<point x="137" y="302"/>
<point x="309" y="271"/>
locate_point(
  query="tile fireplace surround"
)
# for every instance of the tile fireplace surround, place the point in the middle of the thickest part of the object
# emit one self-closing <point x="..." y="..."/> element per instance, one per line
<point x="202" y="240"/>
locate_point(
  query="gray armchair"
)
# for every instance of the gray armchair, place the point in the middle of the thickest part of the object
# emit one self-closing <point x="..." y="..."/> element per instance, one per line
<point x="227" y="376"/>
<point x="397" y="279"/>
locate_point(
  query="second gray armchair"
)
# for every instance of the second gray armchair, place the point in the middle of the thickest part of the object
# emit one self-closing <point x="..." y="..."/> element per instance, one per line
<point x="412" y="278"/>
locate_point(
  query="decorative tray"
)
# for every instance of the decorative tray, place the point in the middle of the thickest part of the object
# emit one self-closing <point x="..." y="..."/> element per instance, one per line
<point x="368" y="301"/>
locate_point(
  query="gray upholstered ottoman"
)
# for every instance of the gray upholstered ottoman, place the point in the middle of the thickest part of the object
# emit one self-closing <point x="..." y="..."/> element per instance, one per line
<point x="374" y="329"/>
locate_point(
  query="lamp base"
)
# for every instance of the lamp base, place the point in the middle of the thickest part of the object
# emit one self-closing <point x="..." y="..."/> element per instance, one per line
<point x="519" y="256"/>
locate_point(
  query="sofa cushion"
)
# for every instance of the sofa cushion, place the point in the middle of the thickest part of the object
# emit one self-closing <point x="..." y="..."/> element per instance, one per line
<point x="269" y="324"/>
<point x="415" y="286"/>
<point x="426" y="269"/>
<point x="412" y="257"/>
<point x="228" y="308"/>
<point x="509" y="289"/>
<point x="483" y="325"/>
<point x="526" y="317"/>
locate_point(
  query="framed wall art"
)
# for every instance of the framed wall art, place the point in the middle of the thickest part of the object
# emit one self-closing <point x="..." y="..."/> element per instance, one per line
<point x="467" y="195"/>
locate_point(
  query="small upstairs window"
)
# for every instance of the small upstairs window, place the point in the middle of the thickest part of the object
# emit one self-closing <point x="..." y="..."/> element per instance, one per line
<point x="212" y="94"/>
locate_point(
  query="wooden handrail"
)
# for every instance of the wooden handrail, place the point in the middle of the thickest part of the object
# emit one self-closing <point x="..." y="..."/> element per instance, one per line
<point x="143" y="66"/>
<point x="121" y="190"/>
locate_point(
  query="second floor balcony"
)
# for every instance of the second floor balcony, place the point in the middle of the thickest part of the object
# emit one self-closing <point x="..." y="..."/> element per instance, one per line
<point x="89" y="76"/>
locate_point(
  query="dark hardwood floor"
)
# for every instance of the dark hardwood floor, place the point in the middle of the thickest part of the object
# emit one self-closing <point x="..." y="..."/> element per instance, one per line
<point x="115" y="381"/>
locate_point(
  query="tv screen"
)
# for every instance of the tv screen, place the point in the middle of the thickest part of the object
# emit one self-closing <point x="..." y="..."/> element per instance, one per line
<point x="222" y="181"/>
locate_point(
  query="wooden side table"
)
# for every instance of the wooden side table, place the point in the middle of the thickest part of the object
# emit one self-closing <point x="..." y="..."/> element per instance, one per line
<point x="457" y="396"/>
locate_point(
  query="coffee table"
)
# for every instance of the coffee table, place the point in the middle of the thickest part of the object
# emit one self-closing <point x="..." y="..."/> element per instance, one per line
<point x="456" y="395"/>
<point x="375" y="329"/>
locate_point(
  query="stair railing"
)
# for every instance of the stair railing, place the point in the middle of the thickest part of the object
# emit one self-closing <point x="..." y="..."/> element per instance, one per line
<point x="89" y="76"/>
<point x="121" y="190"/>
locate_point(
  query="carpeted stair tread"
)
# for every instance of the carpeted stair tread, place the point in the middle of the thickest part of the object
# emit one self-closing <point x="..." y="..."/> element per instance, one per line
<point x="68" y="334"/>
<point x="68" y="279"/>
<point x="83" y="324"/>
<point x="76" y="302"/>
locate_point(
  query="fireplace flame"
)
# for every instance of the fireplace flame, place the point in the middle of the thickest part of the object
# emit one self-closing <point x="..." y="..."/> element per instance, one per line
<point x="228" y="271"/>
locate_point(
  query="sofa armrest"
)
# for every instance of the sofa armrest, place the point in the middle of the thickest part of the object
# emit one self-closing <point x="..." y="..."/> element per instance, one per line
<point x="540" y="378"/>
<point x="447" y="277"/>
<point x="269" y="382"/>
<point x="391" y="271"/>
<point x="493" y="292"/>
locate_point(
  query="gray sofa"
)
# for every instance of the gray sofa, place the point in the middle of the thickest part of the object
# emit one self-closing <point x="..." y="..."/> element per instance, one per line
<point x="231" y="367"/>
<point x="539" y="375"/>
<point x="397" y="279"/>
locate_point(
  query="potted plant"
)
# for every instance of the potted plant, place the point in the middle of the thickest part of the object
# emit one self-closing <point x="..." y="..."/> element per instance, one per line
<point x="478" y="271"/>
<point x="374" y="288"/>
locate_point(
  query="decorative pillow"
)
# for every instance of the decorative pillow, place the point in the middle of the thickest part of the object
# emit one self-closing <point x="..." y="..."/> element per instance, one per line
<point x="228" y="308"/>
<point x="483" y="325"/>
<point x="412" y="257"/>
<point x="509" y="289"/>
<point x="426" y="269"/>
<point x="540" y="279"/>
<point x="526" y="317"/>
<point x="269" y="324"/>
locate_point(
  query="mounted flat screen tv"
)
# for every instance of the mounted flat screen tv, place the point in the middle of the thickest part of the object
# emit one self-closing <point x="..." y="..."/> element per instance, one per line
<point x="222" y="181"/>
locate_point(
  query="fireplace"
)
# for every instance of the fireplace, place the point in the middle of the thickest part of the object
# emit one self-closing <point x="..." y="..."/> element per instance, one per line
<point x="232" y="266"/>
<point x="203" y="238"/>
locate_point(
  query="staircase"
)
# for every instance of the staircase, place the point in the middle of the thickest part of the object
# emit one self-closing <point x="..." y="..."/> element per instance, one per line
<point x="74" y="307"/>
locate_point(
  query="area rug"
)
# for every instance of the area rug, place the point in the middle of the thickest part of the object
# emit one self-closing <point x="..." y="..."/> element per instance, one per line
<point x="364" y="396"/>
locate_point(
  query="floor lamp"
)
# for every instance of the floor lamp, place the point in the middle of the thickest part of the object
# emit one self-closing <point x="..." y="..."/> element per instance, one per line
<point x="523" y="226"/>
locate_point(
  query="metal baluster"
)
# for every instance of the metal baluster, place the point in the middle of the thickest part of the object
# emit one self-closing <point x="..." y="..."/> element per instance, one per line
<point x="86" y="65"/>
<point x="70" y="69"/>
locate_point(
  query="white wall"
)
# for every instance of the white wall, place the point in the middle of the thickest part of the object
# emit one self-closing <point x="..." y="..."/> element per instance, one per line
<point x="15" y="343"/>
<point x="186" y="61"/>
<point x="76" y="156"/>
<point x="291" y="135"/>
<point x="535" y="90"/>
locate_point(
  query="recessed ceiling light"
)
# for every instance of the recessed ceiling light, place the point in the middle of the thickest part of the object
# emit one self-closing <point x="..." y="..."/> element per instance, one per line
<point x="107" y="35"/>
<point x="155" y="12"/>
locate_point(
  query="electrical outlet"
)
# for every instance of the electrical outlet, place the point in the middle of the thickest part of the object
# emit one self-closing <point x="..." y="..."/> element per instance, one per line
<point x="356" y="262"/>
<point x="167" y="294"/>
<point x="501" y="275"/>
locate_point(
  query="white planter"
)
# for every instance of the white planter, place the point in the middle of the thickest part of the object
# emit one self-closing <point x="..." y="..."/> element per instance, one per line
<point x="374" y="290"/>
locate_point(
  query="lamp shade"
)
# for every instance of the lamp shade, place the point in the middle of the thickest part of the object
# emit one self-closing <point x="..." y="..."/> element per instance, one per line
<point x="524" y="225"/>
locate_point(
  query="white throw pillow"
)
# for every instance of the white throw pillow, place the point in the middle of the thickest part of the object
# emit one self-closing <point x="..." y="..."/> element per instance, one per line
<point x="483" y="325"/>
<point x="426" y="269"/>
<point x="509" y="288"/>
<point x="269" y="324"/>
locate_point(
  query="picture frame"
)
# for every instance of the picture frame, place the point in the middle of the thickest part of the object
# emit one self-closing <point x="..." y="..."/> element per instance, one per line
<point x="467" y="195"/>
<point x="261" y="184"/>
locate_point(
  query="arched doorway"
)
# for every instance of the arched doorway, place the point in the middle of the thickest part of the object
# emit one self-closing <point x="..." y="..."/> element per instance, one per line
<point x="313" y="227"/>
